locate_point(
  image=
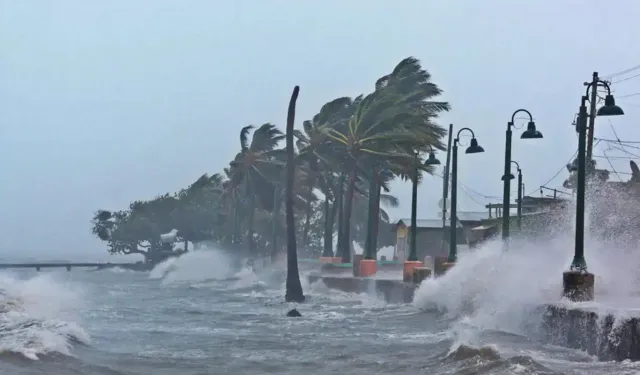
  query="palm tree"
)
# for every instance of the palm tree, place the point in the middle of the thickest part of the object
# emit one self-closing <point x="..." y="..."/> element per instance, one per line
<point x="254" y="167"/>
<point x="371" y="133"/>
<point x="294" y="291"/>
<point x="315" y="148"/>
<point x="392" y="123"/>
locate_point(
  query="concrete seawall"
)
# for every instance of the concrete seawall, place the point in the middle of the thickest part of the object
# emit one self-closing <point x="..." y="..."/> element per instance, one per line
<point x="601" y="334"/>
<point x="393" y="291"/>
<point x="609" y="337"/>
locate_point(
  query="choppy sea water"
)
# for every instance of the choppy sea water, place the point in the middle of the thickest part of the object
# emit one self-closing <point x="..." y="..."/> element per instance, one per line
<point x="199" y="315"/>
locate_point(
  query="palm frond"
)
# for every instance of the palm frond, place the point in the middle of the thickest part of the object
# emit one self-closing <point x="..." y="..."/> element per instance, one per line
<point x="244" y="137"/>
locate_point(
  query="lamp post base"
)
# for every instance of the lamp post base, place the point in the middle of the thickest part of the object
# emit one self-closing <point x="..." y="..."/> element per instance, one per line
<point x="367" y="267"/>
<point x="407" y="270"/>
<point x="446" y="266"/>
<point x="578" y="286"/>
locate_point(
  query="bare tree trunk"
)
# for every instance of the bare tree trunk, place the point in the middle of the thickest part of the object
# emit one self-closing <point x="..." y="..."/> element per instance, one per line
<point x="294" y="291"/>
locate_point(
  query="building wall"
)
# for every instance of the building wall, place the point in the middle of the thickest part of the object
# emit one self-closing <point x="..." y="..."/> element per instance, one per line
<point x="429" y="240"/>
<point x="548" y="224"/>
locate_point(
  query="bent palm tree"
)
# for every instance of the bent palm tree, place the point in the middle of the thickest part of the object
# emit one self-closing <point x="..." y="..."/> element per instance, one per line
<point x="255" y="166"/>
<point x="315" y="148"/>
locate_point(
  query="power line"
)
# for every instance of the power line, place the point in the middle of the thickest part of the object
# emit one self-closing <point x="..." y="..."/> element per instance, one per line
<point x="615" y="157"/>
<point x="629" y="70"/>
<point x="555" y="190"/>
<point x="614" y="130"/>
<point x="628" y="95"/>
<point x="470" y="196"/>
<point x="626" y="173"/>
<point x="626" y="79"/>
<point x="467" y="190"/>
<point x="625" y="151"/>
<point x="615" y="141"/>
<point x="611" y="165"/>
<point x="557" y="173"/>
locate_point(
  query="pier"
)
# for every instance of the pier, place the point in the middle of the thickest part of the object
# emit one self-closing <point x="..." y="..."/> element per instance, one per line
<point x="69" y="266"/>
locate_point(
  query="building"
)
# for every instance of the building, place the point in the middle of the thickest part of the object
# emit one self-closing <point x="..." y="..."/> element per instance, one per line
<point x="539" y="215"/>
<point x="432" y="239"/>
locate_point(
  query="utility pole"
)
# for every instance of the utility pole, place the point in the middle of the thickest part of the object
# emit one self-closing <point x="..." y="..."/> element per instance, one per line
<point x="592" y="113"/>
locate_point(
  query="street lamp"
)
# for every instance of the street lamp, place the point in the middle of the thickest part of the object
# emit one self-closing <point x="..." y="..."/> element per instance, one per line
<point x="530" y="133"/>
<point x="578" y="283"/>
<point x="520" y="192"/>
<point x="473" y="148"/>
<point x="412" y="260"/>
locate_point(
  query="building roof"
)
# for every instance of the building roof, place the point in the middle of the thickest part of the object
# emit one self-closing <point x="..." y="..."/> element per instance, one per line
<point x="437" y="223"/>
<point x="425" y="223"/>
<point x="472" y="216"/>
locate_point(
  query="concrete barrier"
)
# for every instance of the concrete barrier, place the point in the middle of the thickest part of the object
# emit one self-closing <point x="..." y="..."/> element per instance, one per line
<point x="393" y="291"/>
<point x="605" y="336"/>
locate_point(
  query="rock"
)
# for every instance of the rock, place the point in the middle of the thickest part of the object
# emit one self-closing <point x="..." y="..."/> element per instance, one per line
<point x="293" y="313"/>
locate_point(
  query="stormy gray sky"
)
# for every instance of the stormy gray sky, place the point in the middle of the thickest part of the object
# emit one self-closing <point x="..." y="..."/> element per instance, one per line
<point x="104" y="102"/>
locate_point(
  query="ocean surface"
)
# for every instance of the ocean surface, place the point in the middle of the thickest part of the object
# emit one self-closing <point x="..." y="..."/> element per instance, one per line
<point x="204" y="314"/>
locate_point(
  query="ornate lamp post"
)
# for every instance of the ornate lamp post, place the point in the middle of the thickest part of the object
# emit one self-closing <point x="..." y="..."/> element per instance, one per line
<point x="530" y="133"/>
<point x="412" y="260"/>
<point x="578" y="283"/>
<point x="473" y="148"/>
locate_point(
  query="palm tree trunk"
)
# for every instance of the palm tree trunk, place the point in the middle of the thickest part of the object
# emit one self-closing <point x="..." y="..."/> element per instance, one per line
<point x="276" y="219"/>
<point x="328" y="228"/>
<point x="252" y="213"/>
<point x="376" y="215"/>
<point x="293" y="286"/>
<point x="186" y="246"/>
<point x="348" y="205"/>
<point x="340" y="215"/>
<point x="307" y="221"/>
<point x="234" y="231"/>
<point x="369" y="252"/>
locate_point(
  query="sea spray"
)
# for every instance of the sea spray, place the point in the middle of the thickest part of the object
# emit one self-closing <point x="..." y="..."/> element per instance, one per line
<point x="195" y="266"/>
<point x="496" y="289"/>
<point x="162" y="268"/>
<point x="39" y="315"/>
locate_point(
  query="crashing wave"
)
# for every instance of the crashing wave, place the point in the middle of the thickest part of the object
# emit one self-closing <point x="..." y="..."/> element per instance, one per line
<point x="36" y="317"/>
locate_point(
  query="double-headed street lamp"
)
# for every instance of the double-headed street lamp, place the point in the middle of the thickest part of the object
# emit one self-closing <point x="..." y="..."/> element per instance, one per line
<point x="578" y="283"/>
<point x="412" y="260"/>
<point x="473" y="148"/>
<point x="520" y="192"/>
<point x="530" y="133"/>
